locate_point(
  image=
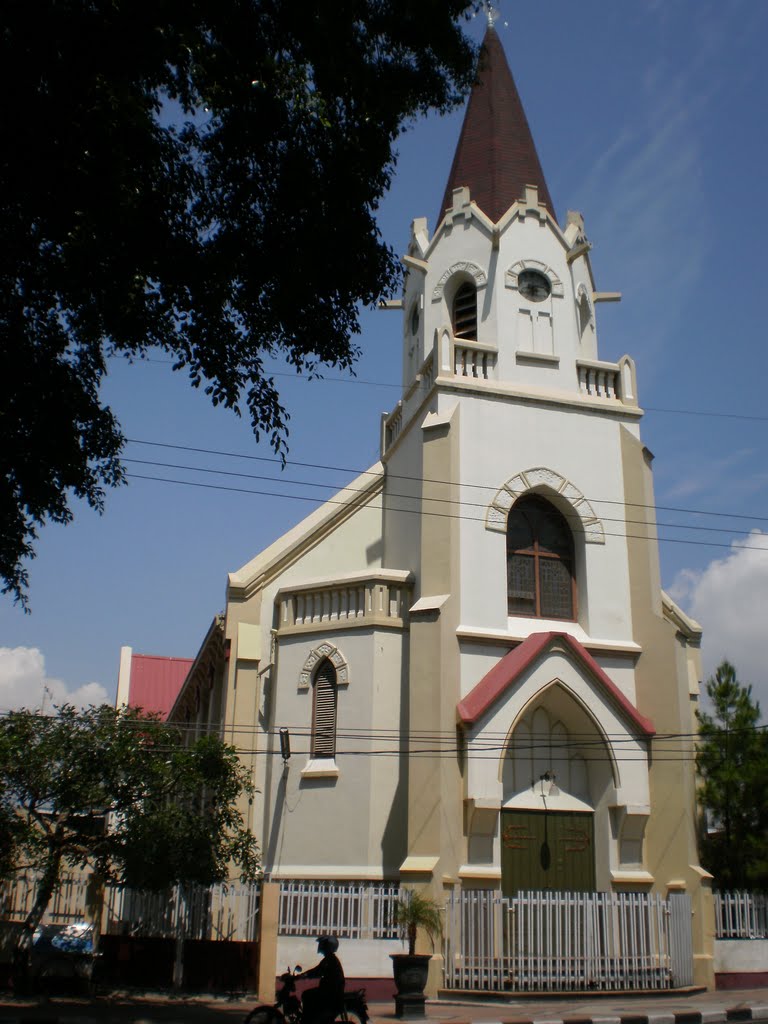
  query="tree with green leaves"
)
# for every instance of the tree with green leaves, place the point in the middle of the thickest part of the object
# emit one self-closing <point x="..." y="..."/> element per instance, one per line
<point x="120" y="792"/>
<point x="732" y="762"/>
<point x="198" y="178"/>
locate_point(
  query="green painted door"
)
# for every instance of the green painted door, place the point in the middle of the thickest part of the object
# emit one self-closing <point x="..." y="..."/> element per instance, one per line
<point x="547" y="850"/>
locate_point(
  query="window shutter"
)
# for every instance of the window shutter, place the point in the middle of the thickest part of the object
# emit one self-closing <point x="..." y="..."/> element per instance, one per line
<point x="324" y="712"/>
<point x="465" y="313"/>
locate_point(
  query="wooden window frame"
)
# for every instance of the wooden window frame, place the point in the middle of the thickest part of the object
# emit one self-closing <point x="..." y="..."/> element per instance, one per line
<point x="538" y="556"/>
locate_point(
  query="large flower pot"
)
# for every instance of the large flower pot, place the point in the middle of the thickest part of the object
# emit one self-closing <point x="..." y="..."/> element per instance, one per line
<point x="410" y="979"/>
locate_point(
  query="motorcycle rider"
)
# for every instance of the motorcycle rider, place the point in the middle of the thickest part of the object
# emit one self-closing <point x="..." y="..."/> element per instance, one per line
<point x="324" y="1001"/>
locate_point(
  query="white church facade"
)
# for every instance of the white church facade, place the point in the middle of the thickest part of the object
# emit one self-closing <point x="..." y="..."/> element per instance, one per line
<point x="469" y="644"/>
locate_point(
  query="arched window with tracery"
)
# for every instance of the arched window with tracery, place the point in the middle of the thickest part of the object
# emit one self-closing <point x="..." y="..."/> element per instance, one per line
<point x="540" y="577"/>
<point x="324" y="710"/>
<point x="464" y="312"/>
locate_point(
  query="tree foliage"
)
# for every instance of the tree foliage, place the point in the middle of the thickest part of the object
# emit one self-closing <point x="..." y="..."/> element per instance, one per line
<point x="198" y="177"/>
<point x="732" y="762"/>
<point x="121" y="792"/>
<point x="418" y="911"/>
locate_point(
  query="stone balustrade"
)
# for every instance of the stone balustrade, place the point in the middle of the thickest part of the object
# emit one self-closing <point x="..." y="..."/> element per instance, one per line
<point x="380" y="598"/>
<point x="470" y="360"/>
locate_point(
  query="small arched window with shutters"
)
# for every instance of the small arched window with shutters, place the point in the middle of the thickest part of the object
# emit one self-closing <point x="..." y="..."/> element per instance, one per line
<point x="324" y="711"/>
<point x="464" y="312"/>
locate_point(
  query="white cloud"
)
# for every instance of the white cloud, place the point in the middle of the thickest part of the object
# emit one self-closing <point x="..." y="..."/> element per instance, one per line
<point x="23" y="683"/>
<point x="730" y="600"/>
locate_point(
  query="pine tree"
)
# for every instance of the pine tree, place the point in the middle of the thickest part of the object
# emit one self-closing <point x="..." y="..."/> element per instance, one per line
<point x="732" y="762"/>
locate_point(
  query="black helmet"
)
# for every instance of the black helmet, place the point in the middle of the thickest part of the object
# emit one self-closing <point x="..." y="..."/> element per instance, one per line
<point x="327" y="943"/>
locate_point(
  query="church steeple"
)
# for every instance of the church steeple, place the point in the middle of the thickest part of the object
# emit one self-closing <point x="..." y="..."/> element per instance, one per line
<point x="496" y="156"/>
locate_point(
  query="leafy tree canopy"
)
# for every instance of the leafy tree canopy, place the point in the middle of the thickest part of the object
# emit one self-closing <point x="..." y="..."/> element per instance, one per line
<point x="121" y="792"/>
<point x="199" y="177"/>
<point x="732" y="761"/>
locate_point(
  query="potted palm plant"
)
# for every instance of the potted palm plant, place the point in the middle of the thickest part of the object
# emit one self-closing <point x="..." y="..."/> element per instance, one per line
<point x="416" y="911"/>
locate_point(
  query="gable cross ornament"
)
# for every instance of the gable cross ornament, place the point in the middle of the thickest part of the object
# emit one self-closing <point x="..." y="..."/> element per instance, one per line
<point x="491" y="13"/>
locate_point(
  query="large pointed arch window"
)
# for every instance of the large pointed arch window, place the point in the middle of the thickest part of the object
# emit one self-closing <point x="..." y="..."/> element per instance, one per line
<point x="324" y="711"/>
<point x="540" y="580"/>
<point x="464" y="312"/>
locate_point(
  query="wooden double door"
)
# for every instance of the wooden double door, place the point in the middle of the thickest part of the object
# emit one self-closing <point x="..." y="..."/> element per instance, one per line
<point x="547" y="850"/>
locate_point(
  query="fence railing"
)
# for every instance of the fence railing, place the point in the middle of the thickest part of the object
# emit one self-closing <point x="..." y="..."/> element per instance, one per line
<point x="69" y="902"/>
<point x="219" y="912"/>
<point x="557" y="941"/>
<point x="741" y="915"/>
<point x="353" y="910"/>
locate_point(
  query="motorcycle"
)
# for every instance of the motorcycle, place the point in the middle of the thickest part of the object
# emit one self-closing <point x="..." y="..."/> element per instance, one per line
<point x="287" y="1008"/>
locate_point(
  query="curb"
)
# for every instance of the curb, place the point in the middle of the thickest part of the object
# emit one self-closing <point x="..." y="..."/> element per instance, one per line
<point x="735" y="1015"/>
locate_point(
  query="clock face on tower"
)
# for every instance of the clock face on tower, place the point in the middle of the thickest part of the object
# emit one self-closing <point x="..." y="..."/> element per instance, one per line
<point x="534" y="285"/>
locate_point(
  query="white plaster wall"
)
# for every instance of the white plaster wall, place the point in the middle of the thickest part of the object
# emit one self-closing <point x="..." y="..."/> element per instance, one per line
<point x="402" y="493"/>
<point x="499" y="440"/>
<point x="500" y="322"/>
<point x="361" y="958"/>
<point x="466" y="241"/>
<point x="737" y="955"/>
<point x="337" y="823"/>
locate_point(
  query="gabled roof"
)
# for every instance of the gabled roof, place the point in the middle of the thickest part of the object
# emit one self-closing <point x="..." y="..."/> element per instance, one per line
<point x="505" y="672"/>
<point x="496" y="156"/>
<point x="156" y="681"/>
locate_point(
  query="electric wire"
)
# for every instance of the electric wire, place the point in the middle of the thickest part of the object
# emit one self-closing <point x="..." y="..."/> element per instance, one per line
<point x="493" y="488"/>
<point x="441" y="515"/>
<point x="423" y="388"/>
<point x="432" y="500"/>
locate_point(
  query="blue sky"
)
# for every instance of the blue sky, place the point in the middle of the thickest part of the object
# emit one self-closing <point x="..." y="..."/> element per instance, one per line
<point x="650" y="118"/>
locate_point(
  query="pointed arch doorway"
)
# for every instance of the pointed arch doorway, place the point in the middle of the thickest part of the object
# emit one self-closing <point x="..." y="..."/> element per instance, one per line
<point x="556" y="768"/>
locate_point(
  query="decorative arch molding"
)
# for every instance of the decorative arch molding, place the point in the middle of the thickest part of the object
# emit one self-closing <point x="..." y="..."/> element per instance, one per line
<point x="510" y="277"/>
<point x="543" y="479"/>
<point x="464" y="267"/>
<point x="538" y="702"/>
<point x="336" y="658"/>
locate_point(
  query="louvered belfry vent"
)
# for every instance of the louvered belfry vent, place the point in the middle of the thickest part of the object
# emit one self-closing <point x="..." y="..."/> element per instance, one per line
<point x="465" y="312"/>
<point x="324" y="711"/>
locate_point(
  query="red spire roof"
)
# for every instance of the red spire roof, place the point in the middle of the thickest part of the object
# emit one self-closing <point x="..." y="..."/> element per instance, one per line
<point x="495" y="157"/>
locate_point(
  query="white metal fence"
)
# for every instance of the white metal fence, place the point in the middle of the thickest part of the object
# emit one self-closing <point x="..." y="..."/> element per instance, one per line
<point x="69" y="901"/>
<point x="558" y="941"/>
<point x="741" y="915"/>
<point x="220" y="912"/>
<point x="351" y="910"/>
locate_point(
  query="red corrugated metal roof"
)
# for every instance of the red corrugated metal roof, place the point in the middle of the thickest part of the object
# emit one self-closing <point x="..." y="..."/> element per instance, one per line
<point x="495" y="156"/>
<point x="156" y="681"/>
<point x="512" y="665"/>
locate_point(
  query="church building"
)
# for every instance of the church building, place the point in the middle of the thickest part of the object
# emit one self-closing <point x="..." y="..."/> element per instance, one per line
<point x="468" y="645"/>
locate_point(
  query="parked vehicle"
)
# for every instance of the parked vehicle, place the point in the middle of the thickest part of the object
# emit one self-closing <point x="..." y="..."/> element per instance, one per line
<point x="287" y="1008"/>
<point x="63" y="956"/>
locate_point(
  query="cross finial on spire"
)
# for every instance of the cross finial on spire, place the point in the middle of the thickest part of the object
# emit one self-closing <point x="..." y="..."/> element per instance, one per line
<point x="491" y="13"/>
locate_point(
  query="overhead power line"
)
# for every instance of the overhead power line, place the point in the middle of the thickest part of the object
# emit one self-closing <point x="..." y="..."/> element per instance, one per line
<point x="432" y="500"/>
<point x="391" y="385"/>
<point x="442" y="515"/>
<point x="491" y="488"/>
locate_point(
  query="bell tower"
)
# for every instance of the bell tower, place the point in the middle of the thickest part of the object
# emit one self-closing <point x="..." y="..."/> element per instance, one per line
<point x="518" y="488"/>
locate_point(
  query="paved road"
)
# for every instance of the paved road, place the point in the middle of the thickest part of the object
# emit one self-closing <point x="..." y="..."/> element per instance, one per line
<point x="693" y="1008"/>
